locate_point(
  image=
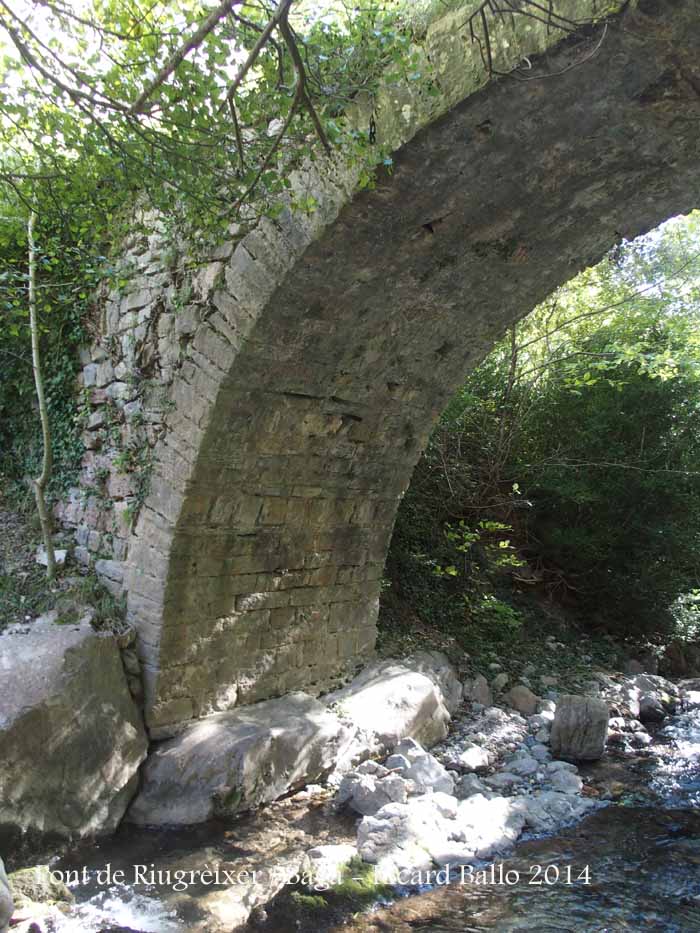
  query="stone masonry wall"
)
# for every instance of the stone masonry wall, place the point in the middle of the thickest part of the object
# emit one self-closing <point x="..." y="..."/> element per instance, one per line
<point x="145" y="324"/>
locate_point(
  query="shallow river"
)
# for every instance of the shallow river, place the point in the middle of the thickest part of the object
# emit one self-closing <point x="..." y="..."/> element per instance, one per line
<point x="632" y="865"/>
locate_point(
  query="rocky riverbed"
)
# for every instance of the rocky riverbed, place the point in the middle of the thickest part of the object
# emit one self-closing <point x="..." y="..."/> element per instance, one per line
<point x="631" y="863"/>
<point x="491" y="793"/>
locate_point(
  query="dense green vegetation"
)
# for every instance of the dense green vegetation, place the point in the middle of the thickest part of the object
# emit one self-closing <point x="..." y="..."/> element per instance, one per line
<point x="108" y="111"/>
<point x="108" y="105"/>
<point x="67" y="278"/>
<point x="567" y="469"/>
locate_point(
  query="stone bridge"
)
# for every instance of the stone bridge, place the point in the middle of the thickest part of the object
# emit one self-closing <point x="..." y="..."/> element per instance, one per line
<point x="264" y="410"/>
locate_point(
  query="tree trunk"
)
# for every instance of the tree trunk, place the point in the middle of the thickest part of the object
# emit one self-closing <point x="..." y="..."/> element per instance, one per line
<point x="39" y="483"/>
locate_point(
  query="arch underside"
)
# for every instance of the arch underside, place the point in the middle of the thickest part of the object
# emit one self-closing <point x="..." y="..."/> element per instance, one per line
<point x="319" y="409"/>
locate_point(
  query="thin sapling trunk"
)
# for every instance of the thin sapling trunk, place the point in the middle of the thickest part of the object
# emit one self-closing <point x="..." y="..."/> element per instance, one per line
<point x="39" y="483"/>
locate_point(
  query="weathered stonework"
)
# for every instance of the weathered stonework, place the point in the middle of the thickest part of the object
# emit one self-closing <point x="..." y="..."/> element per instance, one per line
<point x="281" y="393"/>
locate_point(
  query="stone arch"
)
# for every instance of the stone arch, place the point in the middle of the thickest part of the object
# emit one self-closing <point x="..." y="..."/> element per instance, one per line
<point x="330" y="343"/>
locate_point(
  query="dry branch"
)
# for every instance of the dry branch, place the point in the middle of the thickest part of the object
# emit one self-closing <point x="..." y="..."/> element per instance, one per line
<point x="479" y="22"/>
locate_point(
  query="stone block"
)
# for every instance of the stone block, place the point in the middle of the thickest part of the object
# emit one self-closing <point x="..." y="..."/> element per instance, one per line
<point x="366" y="640"/>
<point x="81" y="535"/>
<point x="307" y="596"/>
<point x="120" y="485"/>
<point x="120" y="391"/>
<point x="136" y="300"/>
<point x="347" y="645"/>
<point x="275" y="600"/>
<point x="187" y="320"/>
<point x="166" y="713"/>
<point x="90" y="375"/>
<point x="92" y="440"/>
<point x="104" y="375"/>
<point x="274" y="511"/>
<point x="580" y="728"/>
<point x="110" y="568"/>
<point x="322" y="576"/>
<point x="283" y="618"/>
<point x="98" y="396"/>
<point x="119" y="545"/>
<point x="97" y="419"/>
<point x="82" y="556"/>
<point x="341" y="616"/>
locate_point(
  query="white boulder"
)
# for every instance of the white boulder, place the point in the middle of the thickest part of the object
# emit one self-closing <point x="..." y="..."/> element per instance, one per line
<point x="424" y="769"/>
<point x="436" y="829"/>
<point x="473" y="758"/>
<point x="488" y="826"/>
<point x="567" y="782"/>
<point x="366" y="791"/>
<point x="629" y="698"/>
<point x="403" y="836"/>
<point x="391" y="700"/>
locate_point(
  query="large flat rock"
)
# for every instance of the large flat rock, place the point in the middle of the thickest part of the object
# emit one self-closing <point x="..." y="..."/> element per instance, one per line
<point x="392" y="700"/>
<point x="71" y="737"/>
<point x="236" y="760"/>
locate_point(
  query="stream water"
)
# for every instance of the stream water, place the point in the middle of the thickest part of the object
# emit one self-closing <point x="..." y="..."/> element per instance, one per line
<point x="632" y="865"/>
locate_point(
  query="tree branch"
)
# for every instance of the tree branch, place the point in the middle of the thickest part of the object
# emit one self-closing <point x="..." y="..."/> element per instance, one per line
<point x="594" y="312"/>
<point x="193" y="42"/>
<point x="33" y="62"/>
<point x="273" y="149"/>
<point x="282" y="10"/>
<point x="301" y="81"/>
<point x="237" y="131"/>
